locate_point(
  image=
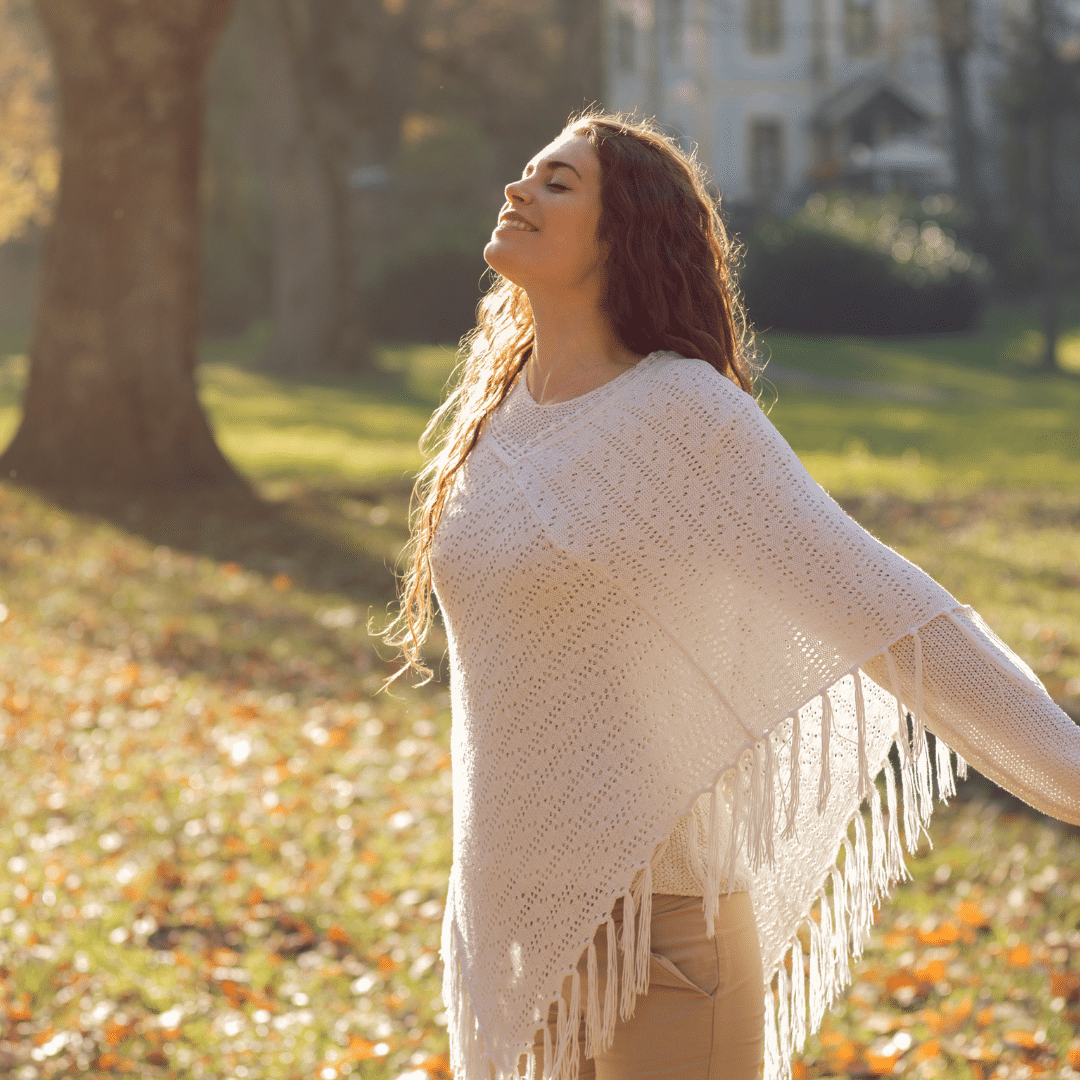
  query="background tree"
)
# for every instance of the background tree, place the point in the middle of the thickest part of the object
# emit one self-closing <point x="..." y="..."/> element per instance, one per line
<point x="1040" y="100"/>
<point x="954" y="25"/>
<point x="111" y="398"/>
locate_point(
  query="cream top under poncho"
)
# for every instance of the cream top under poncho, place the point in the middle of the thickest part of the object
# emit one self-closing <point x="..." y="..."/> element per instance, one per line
<point x="649" y="600"/>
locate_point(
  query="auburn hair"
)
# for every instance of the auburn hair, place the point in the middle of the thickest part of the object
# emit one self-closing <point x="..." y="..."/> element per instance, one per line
<point x="669" y="285"/>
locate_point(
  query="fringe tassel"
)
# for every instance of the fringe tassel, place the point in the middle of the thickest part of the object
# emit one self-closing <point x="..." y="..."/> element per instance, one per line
<point x="911" y="815"/>
<point x="711" y="894"/>
<point x="626" y="1002"/>
<point x="817" y="974"/>
<point x="738" y="813"/>
<point x="775" y="1065"/>
<point x="879" y="856"/>
<point x="946" y="785"/>
<point x="961" y="767"/>
<point x="840" y="930"/>
<point x="548" y="1062"/>
<point x="798" y="996"/>
<point x="783" y="991"/>
<point x="902" y="726"/>
<point x="825" y="780"/>
<point x="897" y="870"/>
<point x="755" y="817"/>
<point x="793" y="779"/>
<point x="865" y="782"/>
<point x="828" y="959"/>
<point x="643" y="954"/>
<point x="922" y="752"/>
<point x="594" y="1021"/>
<point x="611" y="982"/>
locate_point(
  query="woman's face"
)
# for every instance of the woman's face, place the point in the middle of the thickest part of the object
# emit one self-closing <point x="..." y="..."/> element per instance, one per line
<point x="546" y="236"/>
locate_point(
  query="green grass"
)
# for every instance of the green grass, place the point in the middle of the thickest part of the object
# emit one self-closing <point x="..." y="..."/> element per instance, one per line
<point x="226" y="852"/>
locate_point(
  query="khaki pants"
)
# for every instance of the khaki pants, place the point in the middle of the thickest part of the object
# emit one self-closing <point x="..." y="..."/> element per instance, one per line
<point x="703" y="1016"/>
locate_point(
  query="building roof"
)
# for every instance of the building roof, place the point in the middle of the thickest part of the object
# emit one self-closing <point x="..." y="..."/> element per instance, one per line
<point x="847" y="100"/>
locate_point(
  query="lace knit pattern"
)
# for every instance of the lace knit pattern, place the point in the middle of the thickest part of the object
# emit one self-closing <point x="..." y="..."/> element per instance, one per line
<point x="655" y="615"/>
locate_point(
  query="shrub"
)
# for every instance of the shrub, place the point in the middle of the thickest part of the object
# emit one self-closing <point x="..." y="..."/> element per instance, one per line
<point x="863" y="265"/>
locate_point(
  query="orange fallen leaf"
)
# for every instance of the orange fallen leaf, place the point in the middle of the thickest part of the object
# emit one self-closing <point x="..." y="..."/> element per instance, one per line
<point x="255" y="897"/>
<point x="1019" y="956"/>
<point x="42" y="1037"/>
<point x="933" y="971"/>
<point x="360" y="1049"/>
<point x="230" y="569"/>
<point x="1065" y="984"/>
<point x="925" y="1051"/>
<point x="380" y="896"/>
<point x="1025" y="1040"/>
<point x="116" y="1033"/>
<point x="899" y="979"/>
<point x="338" y="936"/>
<point x="880" y="1064"/>
<point x="439" y="1067"/>
<point x="368" y="856"/>
<point x="971" y="914"/>
<point x="984" y="1017"/>
<point x="1073" y="1056"/>
<point x="977" y="1071"/>
<point x="945" y="934"/>
<point x="281" y="582"/>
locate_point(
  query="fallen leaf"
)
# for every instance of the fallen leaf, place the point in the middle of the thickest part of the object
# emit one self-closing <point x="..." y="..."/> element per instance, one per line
<point x="1025" y="1040"/>
<point x="1020" y="956"/>
<point x="925" y="1051"/>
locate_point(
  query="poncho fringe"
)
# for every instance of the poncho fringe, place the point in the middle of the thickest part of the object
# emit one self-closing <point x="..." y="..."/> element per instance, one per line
<point x="763" y="789"/>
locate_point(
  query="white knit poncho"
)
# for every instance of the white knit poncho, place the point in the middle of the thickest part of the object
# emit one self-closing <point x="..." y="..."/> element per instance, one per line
<point x="648" y="599"/>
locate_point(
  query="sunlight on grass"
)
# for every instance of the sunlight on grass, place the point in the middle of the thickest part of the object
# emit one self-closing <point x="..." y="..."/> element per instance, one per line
<point x="227" y="853"/>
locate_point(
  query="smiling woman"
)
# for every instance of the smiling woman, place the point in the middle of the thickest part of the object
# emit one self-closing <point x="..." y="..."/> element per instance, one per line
<point x="677" y="668"/>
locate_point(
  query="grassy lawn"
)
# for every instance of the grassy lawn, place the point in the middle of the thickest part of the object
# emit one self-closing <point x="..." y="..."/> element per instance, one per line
<point x="226" y="853"/>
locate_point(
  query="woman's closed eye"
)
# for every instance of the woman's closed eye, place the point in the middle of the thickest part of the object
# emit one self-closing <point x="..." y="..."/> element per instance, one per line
<point x="558" y="187"/>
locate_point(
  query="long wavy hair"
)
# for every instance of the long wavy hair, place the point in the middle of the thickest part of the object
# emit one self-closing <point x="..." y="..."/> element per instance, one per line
<point x="669" y="285"/>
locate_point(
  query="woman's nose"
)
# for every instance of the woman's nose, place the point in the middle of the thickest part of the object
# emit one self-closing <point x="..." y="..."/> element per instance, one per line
<point x="515" y="193"/>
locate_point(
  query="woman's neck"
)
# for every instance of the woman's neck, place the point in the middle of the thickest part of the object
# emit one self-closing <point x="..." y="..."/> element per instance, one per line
<point x="574" y="349"/>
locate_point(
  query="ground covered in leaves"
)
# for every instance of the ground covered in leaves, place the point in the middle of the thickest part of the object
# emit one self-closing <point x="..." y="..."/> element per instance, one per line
<point x="226" y="853"/>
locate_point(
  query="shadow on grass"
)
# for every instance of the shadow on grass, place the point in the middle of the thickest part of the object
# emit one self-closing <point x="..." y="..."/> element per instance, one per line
<point x="307" y="536"/>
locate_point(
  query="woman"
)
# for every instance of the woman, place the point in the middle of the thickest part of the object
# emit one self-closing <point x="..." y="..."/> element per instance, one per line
<point x="677" y="667"/>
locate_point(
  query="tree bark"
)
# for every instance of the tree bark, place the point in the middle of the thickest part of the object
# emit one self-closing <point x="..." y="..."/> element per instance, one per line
<point x="956" y="35"/>
<point x="310" y="266"/>
<point x="111" y="399"/>
<point x="1047" y="201"/>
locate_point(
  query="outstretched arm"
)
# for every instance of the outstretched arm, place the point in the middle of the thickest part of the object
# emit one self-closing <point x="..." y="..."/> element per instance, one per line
<point x="983" y="702"/>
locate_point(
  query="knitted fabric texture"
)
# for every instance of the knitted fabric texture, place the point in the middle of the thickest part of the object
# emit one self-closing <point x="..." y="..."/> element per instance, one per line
<point x="648" y="600"/>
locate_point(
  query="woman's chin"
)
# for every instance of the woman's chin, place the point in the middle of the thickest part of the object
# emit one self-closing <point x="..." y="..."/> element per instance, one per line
<point x="501" y="260"/>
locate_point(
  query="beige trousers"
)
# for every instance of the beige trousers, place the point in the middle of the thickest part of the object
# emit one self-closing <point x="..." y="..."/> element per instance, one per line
<point x="703" y="1016"/>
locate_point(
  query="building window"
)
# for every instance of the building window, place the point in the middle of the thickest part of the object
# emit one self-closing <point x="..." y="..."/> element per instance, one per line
<point x="625" y="43"/>
<point x="675" y="27"/>
<point x="860" y="33"/>
<point x="766" y="163"/>
<point x="764" y="31"/>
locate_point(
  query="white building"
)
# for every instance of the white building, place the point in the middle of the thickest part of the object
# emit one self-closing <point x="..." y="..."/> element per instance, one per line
<point x="783" y="96"/>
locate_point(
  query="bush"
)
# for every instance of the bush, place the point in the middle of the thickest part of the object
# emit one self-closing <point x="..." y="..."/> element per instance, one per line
<point x="872" y="266"/>
<point x="427" y="297"/>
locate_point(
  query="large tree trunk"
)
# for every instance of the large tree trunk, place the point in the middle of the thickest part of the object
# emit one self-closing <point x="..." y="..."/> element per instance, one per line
<point x="111" y="399"/>
<point x="954" y="25"/>
<point x="1047" y="201"/>
<point x="310" y="266"/>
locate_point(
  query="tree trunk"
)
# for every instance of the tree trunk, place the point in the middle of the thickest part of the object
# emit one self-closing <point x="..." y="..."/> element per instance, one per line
<point x="1047" y="201"/>
<point x="955" y="31"/>
<point x="111" y="399"/>
<point x="318" y="325"/>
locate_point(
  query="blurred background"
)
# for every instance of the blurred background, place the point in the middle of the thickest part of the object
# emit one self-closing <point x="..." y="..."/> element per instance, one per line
<point x="238" y="245"/>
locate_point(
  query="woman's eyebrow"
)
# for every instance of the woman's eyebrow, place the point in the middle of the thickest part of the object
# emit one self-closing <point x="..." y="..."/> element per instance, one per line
<point x="553" y="165"/>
